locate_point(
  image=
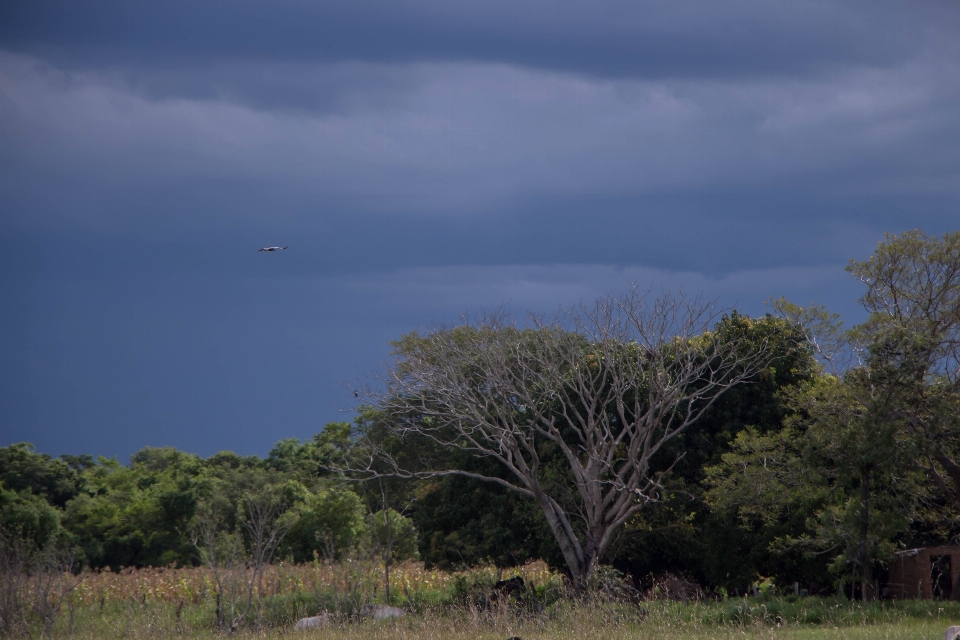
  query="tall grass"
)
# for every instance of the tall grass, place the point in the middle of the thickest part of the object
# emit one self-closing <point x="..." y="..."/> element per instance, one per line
<point x="179" y="603"/>
<point x="566" y="620"/>
<point x="794" y="612"/>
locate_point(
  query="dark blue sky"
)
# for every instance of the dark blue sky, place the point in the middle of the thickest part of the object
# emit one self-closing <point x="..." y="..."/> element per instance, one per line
<point x="423" y="159"/>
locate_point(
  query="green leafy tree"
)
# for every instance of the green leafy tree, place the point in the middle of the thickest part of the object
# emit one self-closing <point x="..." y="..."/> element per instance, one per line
<point x="329" y="524"/>
<point x="835" y="482"/>
<point x="137" y="515"/>
<point x="29" y="518"/>
<point x="913" y="334"/>
<point x="23" y="469"/>
<point x="392" y="538"/>
<point x="465" y="522"/>
<point x="313" y="458"/>
<point x="852" y="437"/>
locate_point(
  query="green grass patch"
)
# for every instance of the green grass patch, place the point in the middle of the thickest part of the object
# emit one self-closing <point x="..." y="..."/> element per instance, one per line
<point x="744" y="619"/>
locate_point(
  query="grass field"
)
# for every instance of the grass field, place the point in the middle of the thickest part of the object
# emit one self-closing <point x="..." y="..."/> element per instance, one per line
<point x="565" y="621"/>
<point x="180" y="603"/>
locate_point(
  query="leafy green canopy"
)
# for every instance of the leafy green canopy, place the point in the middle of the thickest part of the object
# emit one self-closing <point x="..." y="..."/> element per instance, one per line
<point x="146" y="513"/>
<point x="868" y="456"/>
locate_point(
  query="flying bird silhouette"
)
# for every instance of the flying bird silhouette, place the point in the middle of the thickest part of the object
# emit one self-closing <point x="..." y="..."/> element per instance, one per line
<point x="273" y="248"/>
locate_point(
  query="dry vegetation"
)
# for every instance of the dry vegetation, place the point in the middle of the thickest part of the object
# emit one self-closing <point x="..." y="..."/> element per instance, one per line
<point x="179" y="603"/>
<point x="193" y="585"/>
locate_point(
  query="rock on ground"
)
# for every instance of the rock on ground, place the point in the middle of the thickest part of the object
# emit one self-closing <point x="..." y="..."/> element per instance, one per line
<point x="316" y="621"/>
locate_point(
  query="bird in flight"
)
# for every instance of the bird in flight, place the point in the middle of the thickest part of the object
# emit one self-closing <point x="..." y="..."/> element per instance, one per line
<point x="273" y="248"/>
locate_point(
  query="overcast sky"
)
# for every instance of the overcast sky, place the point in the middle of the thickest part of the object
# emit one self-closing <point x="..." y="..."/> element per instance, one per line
<point x="423" y="159"/>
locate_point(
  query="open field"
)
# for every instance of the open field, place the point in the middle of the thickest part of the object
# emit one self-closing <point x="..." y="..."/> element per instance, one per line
<point x="181" y="603"/>
<point x="573" y="622"/>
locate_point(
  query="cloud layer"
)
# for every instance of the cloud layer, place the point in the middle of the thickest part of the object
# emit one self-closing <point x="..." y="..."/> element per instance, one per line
<point x="470" y="138"/>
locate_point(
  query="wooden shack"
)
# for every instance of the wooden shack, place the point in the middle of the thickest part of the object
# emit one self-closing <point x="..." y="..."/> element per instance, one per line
<point x="927" y="573"/>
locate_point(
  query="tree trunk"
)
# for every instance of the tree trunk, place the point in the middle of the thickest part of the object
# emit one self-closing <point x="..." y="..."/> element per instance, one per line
<point x="581" y="561"/>
<point x="389" y="540"/>
<point x="863" y="554"/>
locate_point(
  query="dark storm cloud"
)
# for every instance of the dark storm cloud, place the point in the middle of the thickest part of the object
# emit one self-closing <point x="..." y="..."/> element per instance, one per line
<point x="606" y="38"/>
<point x="422" y="159"/>
<point x="471" y="139"/>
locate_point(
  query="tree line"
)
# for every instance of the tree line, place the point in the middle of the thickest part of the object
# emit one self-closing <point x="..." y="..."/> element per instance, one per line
<point x="649" y="432"/>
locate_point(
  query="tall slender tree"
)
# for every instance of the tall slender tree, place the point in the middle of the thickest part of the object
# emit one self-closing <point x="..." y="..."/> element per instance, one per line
<point x="913" y="335"/>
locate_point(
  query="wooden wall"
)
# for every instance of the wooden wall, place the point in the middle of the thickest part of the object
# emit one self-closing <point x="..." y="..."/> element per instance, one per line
<point x="910" y="572"/>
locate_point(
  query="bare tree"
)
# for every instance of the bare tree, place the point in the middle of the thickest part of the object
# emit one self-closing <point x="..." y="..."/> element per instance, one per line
<point x="265" y="530"/>
<point x="234" y="569"/>
<point x="837" y="349"/>
<point x="52" y="582"/>
<point x="15" y="568"/>
<point x="34" y="583"/>
<point x="222" y="553"/>
<point x="605" y="386"/>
